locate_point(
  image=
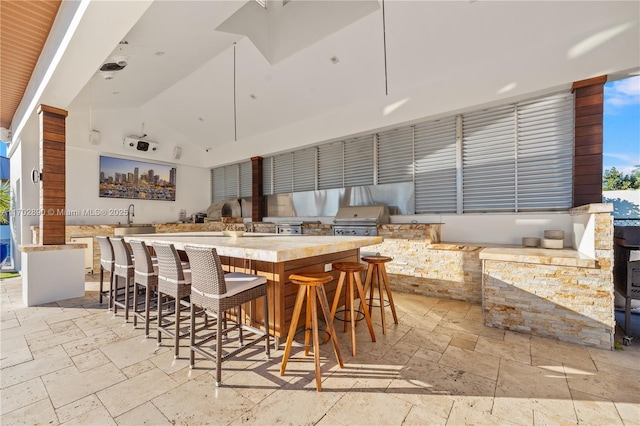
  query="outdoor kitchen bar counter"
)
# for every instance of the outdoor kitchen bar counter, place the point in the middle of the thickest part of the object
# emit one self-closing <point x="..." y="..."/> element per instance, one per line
<point x="275" y="257"/>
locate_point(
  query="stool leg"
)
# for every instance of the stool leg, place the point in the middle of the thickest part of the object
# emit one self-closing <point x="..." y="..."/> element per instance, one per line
<point x="316" y="339"/>
<point x="176" y="339"/>
<point x="292" y="328"/>
<point x="159" y="317"/>
<point x="101" y="282"/>
<point x="307" y="324"/>
<point x="388" y="287"/>
<point x="381" y="297"/>
<point x="364" y="308"/>
<point x="353" y="314"/>
<point x="336" y="298"/>
<point x="324" y="304"/>
<point x="348" y="309"/>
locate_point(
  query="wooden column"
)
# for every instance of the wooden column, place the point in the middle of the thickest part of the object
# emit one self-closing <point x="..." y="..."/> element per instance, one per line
<point x="587" y="167"/>
<point x="52" y="167"/>
<point x="257" y="196"/>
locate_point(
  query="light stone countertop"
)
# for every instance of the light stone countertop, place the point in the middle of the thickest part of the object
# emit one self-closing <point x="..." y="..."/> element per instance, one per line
<point x="258" y="246"/>
<point x="560" y="257"/>
<point x="52" y="247"/>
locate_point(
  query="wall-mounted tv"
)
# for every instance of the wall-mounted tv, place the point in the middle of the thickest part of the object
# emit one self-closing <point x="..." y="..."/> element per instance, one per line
<point x="140" y="180"/>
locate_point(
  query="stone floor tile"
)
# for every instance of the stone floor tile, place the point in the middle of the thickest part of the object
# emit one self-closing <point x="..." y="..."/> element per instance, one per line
<point x="475" y="313"/>
<point x="369" y="408"/>
<point x="629" y="412"/>
<point x="427" y="340"/>
<point x="24" y="330"/>
<point x="475" y="410"/>
<point x="445" y="380"/>
<point x="78" y="408"/>
<point x="615" y="387"/>
<point x="37" y="343"/>
<point x="515" y="351"/>
<point x="459" y="342"/>
<point x="472" y="327"/>
<point x="453" y="305"/>
<point x="532" y="389"/>
<point x="145" y="414"/>
<point x="88" y="360"/>
<point x="8" y="323"/>
<point x="568" y="353"/>
<point x="422" y="397"/>
<point x="90" y="343"/>
<point x="594" y="410"/>
<point x="206" y="402"/>
<point x="15" y="351"/>
<point x="132" y="350"/>
<point x="474" y="362"/>
<point x="627" y="359"/>
<point x="55" y="316"/>
<point x="44" y="362"/>
<point x="303" y="407"/>
<point x="98" y="417"/>
<point x="39" y="413"/>
<point x="68" y="385"/>
<point x="21" y="395"/>
<point x="456" y="333"/>
<point x="130" y="393"/>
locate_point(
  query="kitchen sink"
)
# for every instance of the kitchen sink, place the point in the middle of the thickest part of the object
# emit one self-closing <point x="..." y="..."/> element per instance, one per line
<point x="134" y="228"/>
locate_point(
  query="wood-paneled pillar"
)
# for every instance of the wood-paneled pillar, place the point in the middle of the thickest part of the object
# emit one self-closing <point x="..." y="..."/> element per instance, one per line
<point x="587" y="167"/>
<point x="52" y="166"/>
<point x="257" y="196"/>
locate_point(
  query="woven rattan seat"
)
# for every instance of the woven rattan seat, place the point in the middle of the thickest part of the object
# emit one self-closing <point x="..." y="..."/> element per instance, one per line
<point x="107" y="261"/>
<point x="146" y="276"/>
<point x="218" y="293"/>
<point x="376" y="271"/>
<point x="173" y="281"/>
<point x="123" y="269"/>
<point x="350" y="273"/>
<point x="311" y="285"/>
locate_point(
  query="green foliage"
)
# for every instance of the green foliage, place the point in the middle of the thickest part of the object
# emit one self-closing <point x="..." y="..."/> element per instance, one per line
<point x="614" y="180"/>
<point x="5" y="201"/>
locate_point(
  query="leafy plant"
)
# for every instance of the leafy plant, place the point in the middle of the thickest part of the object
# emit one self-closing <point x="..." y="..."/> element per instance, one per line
<point x="5" y="201"/>
<point x="613" y="179"/>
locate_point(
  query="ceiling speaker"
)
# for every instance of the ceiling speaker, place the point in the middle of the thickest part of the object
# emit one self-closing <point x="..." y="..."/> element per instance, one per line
<point x="177" y="152"/>
<point x="94" y="137"/>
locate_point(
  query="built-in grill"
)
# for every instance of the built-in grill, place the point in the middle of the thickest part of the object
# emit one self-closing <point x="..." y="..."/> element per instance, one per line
<point x="360" y="220"/>
<point x="289" y="228"/>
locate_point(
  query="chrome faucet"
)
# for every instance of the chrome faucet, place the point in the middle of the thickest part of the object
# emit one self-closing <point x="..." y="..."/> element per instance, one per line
<point x="130" y="214"/>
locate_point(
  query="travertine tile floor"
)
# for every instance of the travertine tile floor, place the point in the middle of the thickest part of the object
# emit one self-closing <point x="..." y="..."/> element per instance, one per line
<point x="73" y="362"/>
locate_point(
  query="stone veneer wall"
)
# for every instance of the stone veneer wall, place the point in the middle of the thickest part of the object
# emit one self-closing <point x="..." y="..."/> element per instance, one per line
<point x="573" y="304"/>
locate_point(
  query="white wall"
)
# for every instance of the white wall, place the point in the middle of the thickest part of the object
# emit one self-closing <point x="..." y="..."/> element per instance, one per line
<point x="192" y="193"/>
<point x="626" y="204"/>
<point x="498" y="228"/>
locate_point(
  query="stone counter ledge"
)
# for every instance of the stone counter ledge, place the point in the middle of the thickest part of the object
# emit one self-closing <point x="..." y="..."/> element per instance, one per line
<point x="560" y="257"/>
<point x="52" y="247"/>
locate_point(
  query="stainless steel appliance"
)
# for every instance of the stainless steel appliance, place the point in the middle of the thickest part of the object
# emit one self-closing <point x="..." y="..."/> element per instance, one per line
<point x="360" y="220"/>
<point x="289" y="228"/>
<point x="626" y="272"/>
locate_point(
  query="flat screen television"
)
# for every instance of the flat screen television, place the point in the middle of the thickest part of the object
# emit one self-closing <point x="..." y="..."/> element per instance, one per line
<point x="139" y="180"/>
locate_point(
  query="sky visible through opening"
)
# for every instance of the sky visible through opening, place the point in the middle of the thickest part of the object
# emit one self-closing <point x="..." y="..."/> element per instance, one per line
<point x="622" y="124"/>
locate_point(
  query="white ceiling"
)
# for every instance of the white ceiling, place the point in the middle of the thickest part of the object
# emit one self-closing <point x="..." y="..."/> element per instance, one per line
<point x="440" y="56"/>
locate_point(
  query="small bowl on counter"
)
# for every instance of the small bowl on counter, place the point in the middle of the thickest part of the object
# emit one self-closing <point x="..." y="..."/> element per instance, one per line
<point x="530" y="241"/>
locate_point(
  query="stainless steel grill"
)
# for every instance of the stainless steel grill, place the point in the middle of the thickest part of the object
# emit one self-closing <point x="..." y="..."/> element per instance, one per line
<point x="360" y="220"/>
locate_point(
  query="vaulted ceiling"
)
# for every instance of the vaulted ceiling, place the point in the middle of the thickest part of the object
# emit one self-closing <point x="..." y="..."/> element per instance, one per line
<point x="250" y="81"/>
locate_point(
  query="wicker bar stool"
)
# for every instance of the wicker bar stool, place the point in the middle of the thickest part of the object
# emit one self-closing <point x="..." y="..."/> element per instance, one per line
<point x="350" y="273"/>
<point x="311" y="285"/>
<point x="218" y="293"/>
<point x="376" y="270"/>
<point x="107" y="261"/>
<point x="173" y="281"/>
<point x="146" y="276"/>
<point x="123" y="268"/>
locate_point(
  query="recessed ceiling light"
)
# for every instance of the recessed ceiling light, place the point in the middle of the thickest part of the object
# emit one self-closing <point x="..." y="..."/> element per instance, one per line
<point x="334" y="60"/>
<point x="159" y="53"/>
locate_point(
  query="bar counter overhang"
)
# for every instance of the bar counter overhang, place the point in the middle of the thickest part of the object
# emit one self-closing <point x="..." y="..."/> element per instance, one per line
<point x="275" y="257"/>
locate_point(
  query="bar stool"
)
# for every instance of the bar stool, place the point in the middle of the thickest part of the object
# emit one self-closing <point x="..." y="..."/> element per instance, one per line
<point x="173" y="281"/>
<point x="106" y="264"/>
<point x="350" y="272"/>
<point x="123" y="268"/>
<point x="311" y="285"/>
<point x="377" y="270"/>
<point x="146" y="276"/>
